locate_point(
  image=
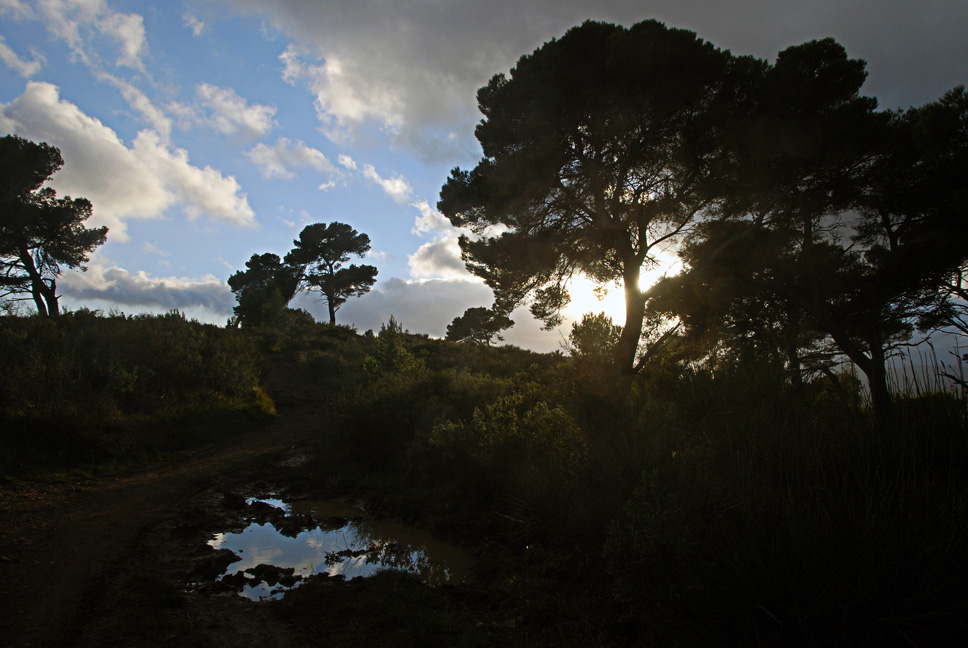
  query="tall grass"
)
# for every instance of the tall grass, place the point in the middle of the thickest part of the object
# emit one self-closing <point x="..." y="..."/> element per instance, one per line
<point x="790" y="518"/>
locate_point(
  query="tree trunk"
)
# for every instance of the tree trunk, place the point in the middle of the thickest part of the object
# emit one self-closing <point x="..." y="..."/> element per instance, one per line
<point x="877" y="381"/>
<point x="38" y="289"/>
<point x="874" y="365"/>
<point x="791" y="339"/>
<point x="873" y="361"/>
<point x="49" y="293"/>
<point x="332" y="311"/>
<point x="628" y="343"/>
<point x="795" y="366"/>
<point x="39" y="302"/>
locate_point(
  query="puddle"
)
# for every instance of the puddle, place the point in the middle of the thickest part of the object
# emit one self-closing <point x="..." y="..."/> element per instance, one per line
<point x="304" y="538"/>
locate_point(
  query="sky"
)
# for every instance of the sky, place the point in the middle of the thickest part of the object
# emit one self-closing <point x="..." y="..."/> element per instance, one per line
<point x="206" y="131"/>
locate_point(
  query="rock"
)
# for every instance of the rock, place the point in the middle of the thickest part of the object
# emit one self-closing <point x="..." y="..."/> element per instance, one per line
<point x="214" y="565"/>
<point x="272" y="575"/>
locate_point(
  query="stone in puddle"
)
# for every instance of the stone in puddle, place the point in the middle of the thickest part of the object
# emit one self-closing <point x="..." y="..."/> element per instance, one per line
<point x="214" y="565"/>
<point x="272" y="575"/>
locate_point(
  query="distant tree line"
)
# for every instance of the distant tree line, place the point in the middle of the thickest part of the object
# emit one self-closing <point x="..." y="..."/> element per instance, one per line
<point x="809" y="222"/>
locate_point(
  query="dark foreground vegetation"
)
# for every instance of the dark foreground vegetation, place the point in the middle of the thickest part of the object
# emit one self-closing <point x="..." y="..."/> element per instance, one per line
<point x="700" y="502"/>
<point x="85" y="389"/>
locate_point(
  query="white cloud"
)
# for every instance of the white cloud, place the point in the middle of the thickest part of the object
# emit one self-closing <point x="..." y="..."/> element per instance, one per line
<point x="397" y="188"/>
<point x="441" y="257"/>
<point x="151" y="248"/>
<point x="418" y="86"/>
<point x="143" y="181"/>
<point x="347" y="162"/>
<point x="194" y="23"/>
<point x="343" y="104"/>
<point x="119" y="286"/>
<point x="230" y="114"/>
<point x="430" y="220"/>
<point x="223" y="111"/>
<point x="279" y="161"/>
<point x="200" y="192"/>
<point x="7" y="125"/>
<point x="25" y="69"/>
<point x="15" y="9"/>
<point x="437" y="259"/>
<point x="129" y="31"/>
<point x="140" y="102"/>
<point x="79" y="22"/>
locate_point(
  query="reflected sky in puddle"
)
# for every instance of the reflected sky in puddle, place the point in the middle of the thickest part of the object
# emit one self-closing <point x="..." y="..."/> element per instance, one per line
<point x="342" y="542"/>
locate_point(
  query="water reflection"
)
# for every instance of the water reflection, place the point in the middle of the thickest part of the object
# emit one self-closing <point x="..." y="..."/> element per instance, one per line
<point x="343" y="542"/>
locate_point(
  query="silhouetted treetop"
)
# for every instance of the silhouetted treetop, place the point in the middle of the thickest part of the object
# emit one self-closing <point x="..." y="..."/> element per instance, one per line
<point x="478" y="325"/>
<point x="263" y="289"/>
<point x="319" y="256"/>
<point x="598" y="147"/>
<point x="40" y="234"/>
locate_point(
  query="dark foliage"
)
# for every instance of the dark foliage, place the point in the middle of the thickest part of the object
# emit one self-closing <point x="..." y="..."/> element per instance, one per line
<point x="263" y="290"/>
<point x="478" y="325"/>
<point x="710" y="502"/>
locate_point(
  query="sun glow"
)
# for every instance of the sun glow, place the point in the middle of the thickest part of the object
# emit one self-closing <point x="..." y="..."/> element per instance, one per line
<point x="610" y="298"/>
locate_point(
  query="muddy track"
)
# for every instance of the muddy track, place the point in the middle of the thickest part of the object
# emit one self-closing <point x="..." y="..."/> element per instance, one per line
<point x="104" y="562"/>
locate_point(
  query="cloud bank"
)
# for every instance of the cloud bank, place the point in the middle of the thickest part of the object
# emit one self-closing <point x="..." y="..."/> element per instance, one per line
<point x="119" y="286"/>
<point x="143" y="181"/>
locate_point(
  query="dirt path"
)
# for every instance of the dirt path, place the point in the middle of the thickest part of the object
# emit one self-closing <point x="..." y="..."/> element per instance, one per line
<point x="99" y="562"/>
